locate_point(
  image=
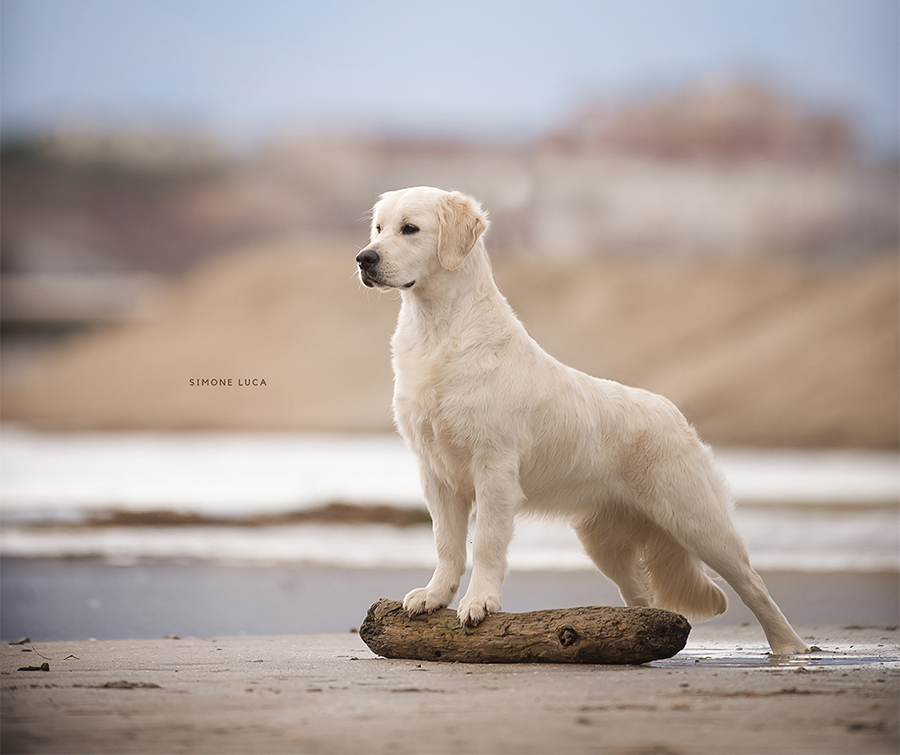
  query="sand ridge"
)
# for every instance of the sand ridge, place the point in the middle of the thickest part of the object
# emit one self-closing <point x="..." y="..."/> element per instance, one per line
<point x="755" y="352"/>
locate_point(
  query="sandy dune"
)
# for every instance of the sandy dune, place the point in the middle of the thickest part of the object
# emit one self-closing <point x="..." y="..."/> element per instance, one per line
<point x="755" y="352"/>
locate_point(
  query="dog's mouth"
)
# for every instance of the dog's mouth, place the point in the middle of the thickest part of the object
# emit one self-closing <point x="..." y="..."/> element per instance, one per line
<point x="370" y="281"/>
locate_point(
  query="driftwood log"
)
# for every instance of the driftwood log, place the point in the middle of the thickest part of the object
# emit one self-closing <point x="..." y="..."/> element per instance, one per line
<point x="591" y="634"/>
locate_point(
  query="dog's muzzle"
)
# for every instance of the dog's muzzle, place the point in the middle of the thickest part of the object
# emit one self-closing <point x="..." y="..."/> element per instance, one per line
<point x="367" y="260"/>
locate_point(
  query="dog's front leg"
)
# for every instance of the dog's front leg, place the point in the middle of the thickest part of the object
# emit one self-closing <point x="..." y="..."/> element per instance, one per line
<point x="497" y="498"/>
<point x="450" y="520"/>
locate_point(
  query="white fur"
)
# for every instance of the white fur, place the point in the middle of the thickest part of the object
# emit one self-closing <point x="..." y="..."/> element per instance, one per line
<point x="498" y="424"/>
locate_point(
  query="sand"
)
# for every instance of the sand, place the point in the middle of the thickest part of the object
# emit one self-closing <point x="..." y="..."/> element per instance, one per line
<point x="755" y="352"/>
<point x="330" y="694"/>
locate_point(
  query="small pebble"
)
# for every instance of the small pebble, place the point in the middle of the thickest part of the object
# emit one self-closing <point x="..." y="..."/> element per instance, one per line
<point x="42" y="667"/>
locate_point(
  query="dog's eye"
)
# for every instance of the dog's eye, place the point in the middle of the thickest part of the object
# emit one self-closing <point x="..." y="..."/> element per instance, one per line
<point x="377" y="229"/>
<point x="408" y="230"/>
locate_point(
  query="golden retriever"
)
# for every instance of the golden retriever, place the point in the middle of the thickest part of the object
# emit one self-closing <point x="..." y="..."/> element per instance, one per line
<point x="499" y="425"/>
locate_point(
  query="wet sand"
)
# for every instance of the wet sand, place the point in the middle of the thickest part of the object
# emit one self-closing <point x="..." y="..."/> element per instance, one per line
<point x="71" y="599"/>
<point x="330" y="694"/>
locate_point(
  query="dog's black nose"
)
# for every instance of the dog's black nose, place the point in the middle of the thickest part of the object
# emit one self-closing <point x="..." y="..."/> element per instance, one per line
<point x="367" y="258"/>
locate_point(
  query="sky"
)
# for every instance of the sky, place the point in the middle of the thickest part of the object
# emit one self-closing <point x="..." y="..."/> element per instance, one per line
<point x="248" y="70"/>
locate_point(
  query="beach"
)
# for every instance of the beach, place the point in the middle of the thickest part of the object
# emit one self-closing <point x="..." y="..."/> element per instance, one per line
<point x="202" y="487"/>
<point x="214" y="609"/>
<point x="330" y="694"/>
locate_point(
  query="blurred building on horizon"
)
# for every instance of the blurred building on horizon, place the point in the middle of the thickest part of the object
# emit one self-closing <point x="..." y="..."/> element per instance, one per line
<point x="723" y="168"/>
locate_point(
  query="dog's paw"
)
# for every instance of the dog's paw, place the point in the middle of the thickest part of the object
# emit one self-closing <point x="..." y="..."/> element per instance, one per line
<point x="798" y="647"/>
<point x="423" y="600"/>
<point x="785" y="641"/>
<point x="472" y="611"/>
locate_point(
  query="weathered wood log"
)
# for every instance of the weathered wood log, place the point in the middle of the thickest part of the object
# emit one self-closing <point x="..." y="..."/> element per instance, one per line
<point x="590" y="634"/>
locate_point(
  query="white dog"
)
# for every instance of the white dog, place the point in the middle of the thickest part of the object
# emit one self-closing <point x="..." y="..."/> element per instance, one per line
<point x="500" y="425"/>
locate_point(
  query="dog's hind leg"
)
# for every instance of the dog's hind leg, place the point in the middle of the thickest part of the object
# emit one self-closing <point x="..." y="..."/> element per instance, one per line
<point x="694" y="511"/>
<point x="726" y="554"/>
<point x="617" y="556"/>
<point x="680" y="581"/>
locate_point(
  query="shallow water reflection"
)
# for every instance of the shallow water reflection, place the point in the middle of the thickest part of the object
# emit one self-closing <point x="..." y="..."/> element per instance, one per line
<point x="844" y="658"/>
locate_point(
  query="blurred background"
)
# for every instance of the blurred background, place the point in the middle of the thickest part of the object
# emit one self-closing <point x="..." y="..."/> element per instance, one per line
<point x="695" y="197"/>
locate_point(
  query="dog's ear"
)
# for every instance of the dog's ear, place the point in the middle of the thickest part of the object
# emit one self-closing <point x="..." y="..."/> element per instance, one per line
<point x="461" y="221"/>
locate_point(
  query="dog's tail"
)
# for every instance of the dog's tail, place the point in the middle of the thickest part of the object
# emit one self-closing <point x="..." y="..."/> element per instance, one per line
<point x="680" y="582"/>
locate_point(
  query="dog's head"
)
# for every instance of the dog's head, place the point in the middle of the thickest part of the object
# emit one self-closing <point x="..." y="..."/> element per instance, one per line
<point x="416" y="233"/>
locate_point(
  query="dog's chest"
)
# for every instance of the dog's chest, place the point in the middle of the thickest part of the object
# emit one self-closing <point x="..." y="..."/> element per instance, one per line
<point x="419" y="377"/>
<point x="430" y="405"/>
<point x="446" y="376"/>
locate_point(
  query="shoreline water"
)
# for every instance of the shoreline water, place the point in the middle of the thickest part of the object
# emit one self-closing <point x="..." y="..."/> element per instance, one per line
<point x="77" y="599"/>
<point x="783" y="538"/>
<point x="222" y="473"/>
<point x="822" y="527"/>
<point x="797" y="510"/>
